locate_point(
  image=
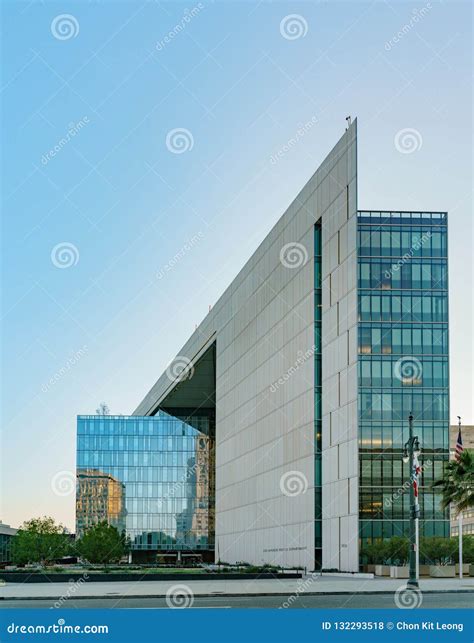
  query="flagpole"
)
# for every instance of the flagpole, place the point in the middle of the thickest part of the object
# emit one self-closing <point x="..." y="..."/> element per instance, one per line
<point x="416" y="474"/>
<point x="417" y="540"/>
<point x="411" y="451"/>
<point x="460" y="544"/>
<point x="460" y="518"/>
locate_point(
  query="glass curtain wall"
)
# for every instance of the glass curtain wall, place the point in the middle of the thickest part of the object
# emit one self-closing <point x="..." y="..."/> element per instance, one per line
<point x="152" y="477"/>
<point x="403" y="367"/>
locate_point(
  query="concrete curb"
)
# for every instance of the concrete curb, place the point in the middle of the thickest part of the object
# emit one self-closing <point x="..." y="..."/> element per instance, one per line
<point x="232" y="595"/>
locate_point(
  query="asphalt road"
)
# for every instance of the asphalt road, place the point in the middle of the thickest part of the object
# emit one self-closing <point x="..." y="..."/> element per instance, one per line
<point x="381" y="601"/>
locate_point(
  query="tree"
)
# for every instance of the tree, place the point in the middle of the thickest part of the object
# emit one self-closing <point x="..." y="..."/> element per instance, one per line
<point x="392" y="551"/>
<point x="376" y="553"/>
<point x="40" y="540"/>
<point x="457" y="484"/>
<point x="103" y="409"/>
<point x="103" y="544"/>
<point x="398" y="548"/>
<point x="436" y="550"/>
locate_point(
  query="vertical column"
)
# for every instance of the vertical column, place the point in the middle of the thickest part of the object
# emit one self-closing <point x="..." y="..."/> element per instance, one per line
<point x="340" y="510"/>
<point x="317" y="398"/>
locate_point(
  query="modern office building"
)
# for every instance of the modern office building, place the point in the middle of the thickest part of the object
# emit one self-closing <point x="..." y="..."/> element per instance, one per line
<point x="402" y="366"/>
<point x="468" y="443"/>
<point x="7" y="534"/>
<point x="151" y="477"/>
<point x="308" y="366"/>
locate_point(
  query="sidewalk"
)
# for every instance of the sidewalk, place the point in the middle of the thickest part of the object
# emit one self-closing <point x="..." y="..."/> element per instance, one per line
<point x="156" y="589"/>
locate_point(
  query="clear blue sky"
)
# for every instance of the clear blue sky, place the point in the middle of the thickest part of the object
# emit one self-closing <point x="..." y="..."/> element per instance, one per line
<point x="128" y="205"/>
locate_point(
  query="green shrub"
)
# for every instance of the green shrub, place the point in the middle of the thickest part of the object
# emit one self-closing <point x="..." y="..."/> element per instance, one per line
<point x="434" y="550"/>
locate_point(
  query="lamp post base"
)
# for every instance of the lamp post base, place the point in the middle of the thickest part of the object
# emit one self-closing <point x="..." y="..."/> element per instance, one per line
<point x="412" y="584"/>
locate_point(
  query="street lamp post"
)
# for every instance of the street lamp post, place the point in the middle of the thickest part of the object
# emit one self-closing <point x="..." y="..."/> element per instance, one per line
<point x="410" y="454"/>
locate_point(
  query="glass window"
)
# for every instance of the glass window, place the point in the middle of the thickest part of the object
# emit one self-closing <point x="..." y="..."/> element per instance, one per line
<point x="407" y="340"/>
<point x="426" y="302"/>
<point x="386" y="341"/>
<point x="425" y="242"/>
<point x="416" y="275"/>
<point x="396" y="308"/>
<point x="426" y="276"/>
<point x="386" y="299"/>
<point x="437" y="341"/>
<point x="376" y="373"/>
<point x="396" y="240"/>
<point x="436" y="244"/>
<point x="365" y="342"/>
<point x="397" y="340"/>
<point x="386" y="373"/>
<point x="365" y="243"/>
<point x="427" y="340"/>
<point x="406" y="242"/>
<point x="438" y="308"/>
<point x="437" y="277"/>
<point x="375" y="300"/>
<point x="385" y="244"/>
<point x="417" y="343"/>
<point x="406" y="275"/>
<point x="375" y="242"/>
<point x="365" y="275"/>
<point x="376" y="340"/>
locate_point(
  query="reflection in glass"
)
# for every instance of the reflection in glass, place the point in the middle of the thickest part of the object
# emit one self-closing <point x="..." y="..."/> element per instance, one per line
<point x="150" y="476"/>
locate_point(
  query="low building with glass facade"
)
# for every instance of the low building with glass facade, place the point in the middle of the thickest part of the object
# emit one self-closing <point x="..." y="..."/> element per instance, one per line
<point x="309" y="365"/>
<point x="152" y="478"/>
<point x="7" y="534"/>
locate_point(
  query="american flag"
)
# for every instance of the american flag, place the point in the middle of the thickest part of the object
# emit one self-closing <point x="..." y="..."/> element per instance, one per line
<point x="459" y="447"/>
<point x="416" y="473"/>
